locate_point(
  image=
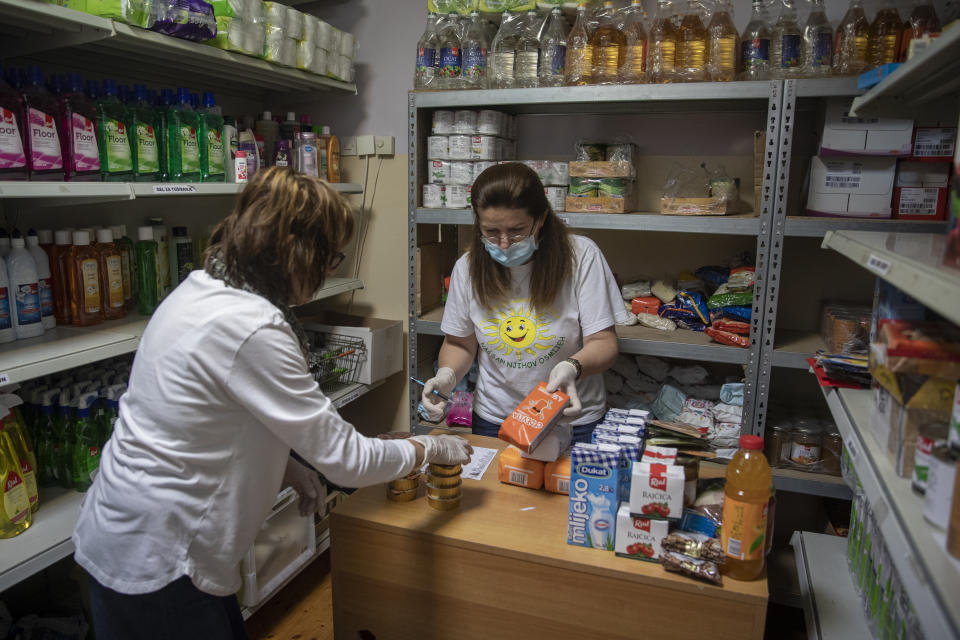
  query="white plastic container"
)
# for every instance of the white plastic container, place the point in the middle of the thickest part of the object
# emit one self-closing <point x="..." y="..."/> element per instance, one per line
<point x="25" y="284"/>
<point x="7" y="331"/>
<point x="42" y="262"/>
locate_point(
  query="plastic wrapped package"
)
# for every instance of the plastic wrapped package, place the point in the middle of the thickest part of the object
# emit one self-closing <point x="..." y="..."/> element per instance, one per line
<point x="348" y="45"/>
<point x="463" y="7"/>
<point x="336" y="36"/>
<point x="305" y="55"/>
<point x="696" y="303"/>
<point x="273" y="42"/>
<point x="288" y="52"/>
<point x="669" y="402"/>
<point x="693" y="374"/>
<point x="324" y="36"/>
<point x="724" y="435"/>
<point x="293" y="24"/>
<point x="735" y="312"/>
<point x="274" y="14"/>
<point x="184" y="19"/>
<point x="715" y="275"/>
<point x="136" y="12"/>
<point x="499" y="6"/>
<point x="732" y="393"/>
<point x="690" y="192"/>
<point x="231" y="34"/>
<point x="630" y="320"/>
<point x="319" y="66"/>
<point x="656" y="322"/>
<point x="741" y="278"/>
<point x="724" y="297"/>
<point x="254" y="38"/>
<point x="654" y="367"/>
<point x="224" y="8"/>
<point x="727" y="338"/>
<point x="664" y="290"/>
<point x="311" y="24"/>
<point x="604" y="160"/>
<point x="733" y="326"/>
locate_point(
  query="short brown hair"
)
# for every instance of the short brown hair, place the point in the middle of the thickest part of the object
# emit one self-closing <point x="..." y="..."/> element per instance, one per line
<point x="514" y="185"/>
<point x="285" y="224"/>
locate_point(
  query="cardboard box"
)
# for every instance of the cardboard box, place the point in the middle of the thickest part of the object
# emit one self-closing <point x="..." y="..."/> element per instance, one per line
<point x="656" y="490"/>
<point x="513" y="468"/>
<point x="602" y="169"/>
<point x="429" y="277"/>
<point x="594" y="483"/>
<point x="534" y="418"/>
<point x="696" y="206"/>
<point x="382" y="338"/>
<point x="934" y="143"/>
<point x="851" y="187"/>
<point x="639" y="538"/>
<point x="846" y="135"/>
<point x="577" y="204"/>
<point x="920" y="191"/>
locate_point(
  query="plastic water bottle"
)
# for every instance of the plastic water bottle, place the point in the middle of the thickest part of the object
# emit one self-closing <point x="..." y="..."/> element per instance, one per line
<point x="787" y="43"/>
<point x="505" y="52"/>
<point x="527" y="65"/>
<point x="755" y="46"/>
<point x="818" y="42"/>
<point x="427" y="50"/>
<point x="42" y="262"/>
<point x="553" y="49"/>
<point x="474" y="45"/>
<point x="451" y="56"/>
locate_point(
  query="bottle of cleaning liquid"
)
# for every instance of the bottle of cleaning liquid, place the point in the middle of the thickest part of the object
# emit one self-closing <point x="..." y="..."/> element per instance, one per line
<point x="634" y="69"/>
<point x="8" y="332"/>
<point x="181" y="256"/>
<point x="146" y="270"/>
<point x="86" y="445"/>
<point x="662" y="50"/>
<point x="165" y="102"/>
<point x="79" y="145"/>
<point x="745" y="501"/>
<point x="884" y="38"/>
<point x="248" y="144"/>
<point x="44" y="154"/>
<point x="724" y="43"/>
<point x="183" y="126"/>
<point x="86" y="294"/>
<point x="145" y="128"/>
<point x="48" y="318"/>
<point x="579" y="65"/>
<point x="161" y="233"/>
<point x="64" y="438"/>
<point x="609" y="47"/>
<point x="230" y="146"/>
<point x="25" y="284"/>
<point x="111" y="276"/>
<point x="755" y="46"/>
<point x="46" y="445"/>
<point x="211" y="140"/>
<point x="125" y="246"/>
<point x="15" y="514"/>
<point x="692" y="45"/>
<point x="851" y="45"/>
<point x="333" y="157"/>
<point x="60" y="277"/>
<point x="23" y="449"/>
<point x="13" y="131"/>
<point x="116" y="147"/>
<point x="269" y="129"/>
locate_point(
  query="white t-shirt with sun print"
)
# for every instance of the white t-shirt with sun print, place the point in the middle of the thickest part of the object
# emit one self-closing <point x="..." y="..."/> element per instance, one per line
<point x="519" y="345"/>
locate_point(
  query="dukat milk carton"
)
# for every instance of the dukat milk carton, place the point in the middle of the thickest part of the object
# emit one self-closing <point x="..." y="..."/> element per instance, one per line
<point x="594" y="486"/>
<point x="656" y="490"/>
<point x="534" y="418"/>
<point x="630" y="448"/>
<point x="639" y="538"/>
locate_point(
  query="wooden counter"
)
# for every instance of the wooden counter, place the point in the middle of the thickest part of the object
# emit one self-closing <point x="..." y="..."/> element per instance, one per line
<point x="500" y="567"/>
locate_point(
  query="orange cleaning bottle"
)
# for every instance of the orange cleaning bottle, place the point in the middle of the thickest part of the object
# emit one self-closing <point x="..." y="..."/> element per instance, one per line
<point x="86" y="297"/>
<point x="111" y="276"/>
<point x="59" y="270"/>
<point x="745" y="501"/>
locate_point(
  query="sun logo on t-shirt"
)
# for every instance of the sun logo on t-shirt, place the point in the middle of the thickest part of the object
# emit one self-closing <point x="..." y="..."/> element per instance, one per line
<point x="516" y="329"/>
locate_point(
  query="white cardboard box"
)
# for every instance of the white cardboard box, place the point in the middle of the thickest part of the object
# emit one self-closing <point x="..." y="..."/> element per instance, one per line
<point x="920" y="191"/>
<point x="846" y="135"/>
<point x="851" y="187"/>
<point x="639" y="538"/>
<point x="382" y="338"/>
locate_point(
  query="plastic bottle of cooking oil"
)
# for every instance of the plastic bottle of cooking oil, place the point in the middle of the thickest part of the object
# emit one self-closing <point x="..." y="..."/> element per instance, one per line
<point x="817" y="42"/>
<point x="787" y="43"/>
<point x="850" y="45"/>
<point x="609" y="47"/>
<point x="662" y="47"/>
<point x="692" y="45"/>
<point x="15" y="514"/>
<point x="884" y="35"/>
<point x="634" y="68"/>
<point x="755" y="46"/>
<point x="723" y="44"/>
<point x="923" y="21"/>
<point x="579" y="69"/>
<point x="745" y="502"/>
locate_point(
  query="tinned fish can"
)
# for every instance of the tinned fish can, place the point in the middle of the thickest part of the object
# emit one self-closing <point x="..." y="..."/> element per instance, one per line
<point x="557" y="197"/>
<point x="456" y="196"/>
<point x="459" y="147"/>
<point x="465" y="121"/>
<point x="433" y="196"/>
<point x="489" y="122"/>
<point x="438" y="147"/>
<point x="483" y="148"/>
<point x="460" y="173"/>
<point x="438" y="171"/>
<point x="443" y="122"/>
<point x="940" y="481"/>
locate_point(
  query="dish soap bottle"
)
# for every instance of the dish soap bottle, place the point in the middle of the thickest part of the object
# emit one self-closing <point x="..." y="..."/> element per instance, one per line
<point x="145" y="128"/>
<point x="7" y="331"/>
<point x="15" y="514"/>
<point x="79" y="146"/>
<point x="182" y="127"/>
<point x="111" y="276"/>
<point x="146" y="270"/>
<point x="44" y="153"/>
<point x="25" y="283"/>
<point x="86" y="296"/>
<point x="116" y="150"/>
<point x="86" y="446"/>
<point x="211" y="140"/>
<point x="745" y="502"/>
<point x="125" y="247"/>
<point x="22" y="448"/>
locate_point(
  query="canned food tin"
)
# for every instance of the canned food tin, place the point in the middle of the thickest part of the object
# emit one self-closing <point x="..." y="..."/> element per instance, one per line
<point x="401" y="496"/>
<point x="459" y="147"/>
<point x="929" y="436"/>
<point x="405" y="484"/>
<point x="456" y="196"/>
<point x="433" y="196"/>
<point x="480" y="167"/>
<point x="438" y="147"/>
<point x="444" y="504"/>
<point x="460" y="173"/>
<point x="444" y="492"/>
<point x="446" y="470"/>
<point x="613" y="187"/>
<point x="483" y="147"/>
<point x="439" y="171"/>
<point x="584" y="187"/>
<point x="465" y="121"/>
<point x="489" y="122"/>
<point x="561" y="173"/>
<point x="940" y="480"/>
<point x="557" y="197"/>
<point x="443" y="481"/>
<point x="443" y="122"/>
<point x="591" y="152"/>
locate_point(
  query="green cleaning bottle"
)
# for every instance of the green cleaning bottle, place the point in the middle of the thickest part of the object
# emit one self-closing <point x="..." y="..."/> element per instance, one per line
<point x="145" y="128"/>
<point x="183" y="126"/>
<point x="64" y="439"/>
<point x="211" y="140"/>
<point x="86" y="446"/>
<point x="146" y="270"/>
<point x="15" y="514"/>
<point x="46" y="440"/>
<point x="116" y="149"/>
<point x="164" y="103"/>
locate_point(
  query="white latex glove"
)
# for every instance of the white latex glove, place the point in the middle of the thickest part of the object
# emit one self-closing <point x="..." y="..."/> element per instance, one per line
<point x="434" y="405"/>
<point x="445" y="449"/>
<point x="305" y="481"/>
<point x="564" y="377"/>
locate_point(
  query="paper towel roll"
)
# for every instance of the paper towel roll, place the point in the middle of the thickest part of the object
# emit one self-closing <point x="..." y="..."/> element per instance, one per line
<point x="319" y="65"/>
<point x="324" y="35"/>
<point x="274" y="14"/>
<point x="335" y="37"/>
<point x="254" y="37"/>
<point x="253" y="10"/>
<point x="294" y="24"/>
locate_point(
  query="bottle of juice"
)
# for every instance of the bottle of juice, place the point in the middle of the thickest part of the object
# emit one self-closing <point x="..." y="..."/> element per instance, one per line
<point x="86" y="446"/>
<point x="662" y="50"/>
<point x="44" y="153"/>
<point x="579" y="68"/>
<point x="634" y="69"/>
<point x="125" y="246"/>
<point x="44" y="279"/>
<point x="183" y="126"/>
<point x="146" y="270"/>
<point x="86" y="295"/>
<point x="8" y="332"/>
<point x="13" y="131"/>
<point x="923" y="21"/>
<point x="851" y="44"/>
<point x="884" y="37"/>
<point x="26" y="456"/>
<point x="60" y="276"/>
<point x="145" y="128"/>
<point x="723" y="44"/>
<point x="25" y="284"/>
<point x="745" y="501"/>
<point x="609" y="46"/>
<point x="15" y="514"/>
<point x="116" y="150"/>
<point x="211" y="140"/>
<point x="111" y="276"/>
<point x="79" y="145"/>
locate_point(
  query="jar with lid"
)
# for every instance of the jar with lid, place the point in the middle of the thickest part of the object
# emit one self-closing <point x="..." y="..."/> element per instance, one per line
<point x="778" y="442"/>
<point x="832" y="451"/>
<point x="806" y="450"/>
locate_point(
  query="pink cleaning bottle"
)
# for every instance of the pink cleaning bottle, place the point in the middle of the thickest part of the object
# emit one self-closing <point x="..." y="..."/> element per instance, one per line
<point x="44" y="155"/>
<point x="78" y="117"/>
<point x="13" y="157"/>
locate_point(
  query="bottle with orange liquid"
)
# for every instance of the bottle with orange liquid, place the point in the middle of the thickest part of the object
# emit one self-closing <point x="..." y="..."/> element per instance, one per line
<point x="634" y="69"/>
<point x="884" y="36"/>
<point x="923" y="21"/>
<point x="60" y="277"/>
<point x="745" y="503"/>
<point x="662" y="47"/>
<point x="111" y="276"/>
<point x="579" y="67"/>
<point x="851" y="44"/>
<point x="609" y="47"/>
<point x="86" y="297"/>
<point x="692" y="45"/>
<point x="724" y="43"/>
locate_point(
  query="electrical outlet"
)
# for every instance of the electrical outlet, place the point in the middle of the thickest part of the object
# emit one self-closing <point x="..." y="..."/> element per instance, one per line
<point x="384" y="145"/>
<point x="348" y="146"/>
<point x="365" y="146"/>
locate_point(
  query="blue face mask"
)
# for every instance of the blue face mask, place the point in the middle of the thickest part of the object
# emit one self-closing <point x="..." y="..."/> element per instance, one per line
<point x="514" y="255"/>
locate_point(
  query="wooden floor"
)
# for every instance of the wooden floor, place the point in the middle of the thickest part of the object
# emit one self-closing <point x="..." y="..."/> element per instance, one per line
<point x="303" y="610"/>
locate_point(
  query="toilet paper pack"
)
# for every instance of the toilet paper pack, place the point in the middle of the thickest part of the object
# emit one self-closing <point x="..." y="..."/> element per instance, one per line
<point x="594" y="486"/>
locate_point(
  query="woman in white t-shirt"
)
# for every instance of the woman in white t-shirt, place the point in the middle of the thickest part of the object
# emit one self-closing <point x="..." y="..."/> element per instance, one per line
<point x="535" y="302"/>
<point x="220" y="396"/>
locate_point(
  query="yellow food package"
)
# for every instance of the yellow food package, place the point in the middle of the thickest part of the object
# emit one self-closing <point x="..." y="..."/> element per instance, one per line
<point x="556" y="475"/>
<point x="512" y="468"/>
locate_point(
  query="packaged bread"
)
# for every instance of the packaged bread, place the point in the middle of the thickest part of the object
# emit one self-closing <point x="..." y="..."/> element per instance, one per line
<point x="512" y="468"/>
<point x="556" y="475"/>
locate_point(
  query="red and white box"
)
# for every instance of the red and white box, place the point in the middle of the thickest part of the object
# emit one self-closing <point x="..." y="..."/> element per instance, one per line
<point x="639" y="538"/>
<point x="921" y="191"/>
<point x="933" y="142"/>
<point x="656" y="491"/>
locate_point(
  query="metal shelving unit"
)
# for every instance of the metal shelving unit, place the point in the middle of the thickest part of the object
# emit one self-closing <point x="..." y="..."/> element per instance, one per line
<point x="810" y="227"/>
<point x="792" y="480"/>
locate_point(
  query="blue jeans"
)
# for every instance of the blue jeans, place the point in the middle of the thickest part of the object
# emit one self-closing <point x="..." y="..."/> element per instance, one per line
<point x="178" y="610"/>
<point x="481" y="427"/>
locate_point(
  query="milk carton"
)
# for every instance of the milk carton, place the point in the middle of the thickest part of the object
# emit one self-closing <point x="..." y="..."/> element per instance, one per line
<point x="612" y="428"/>
<point x="630" y="448"/>
<point x="656" y="490"/>
<point x="594" y="486"/>
<point x="639" y="538"/>
<point x="629" y="413"/>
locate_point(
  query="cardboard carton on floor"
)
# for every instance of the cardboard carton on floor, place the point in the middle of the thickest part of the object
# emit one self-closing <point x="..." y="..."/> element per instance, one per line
<point x="920" y="192"/>
<point x="844" y="134"/>
<point x="851" y="187"/>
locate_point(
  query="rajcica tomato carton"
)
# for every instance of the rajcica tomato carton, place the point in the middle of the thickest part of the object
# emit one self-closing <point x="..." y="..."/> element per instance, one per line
<point x="639" y="538"/>
<point x="594" y="486"/>
<point x="656" y="490"/>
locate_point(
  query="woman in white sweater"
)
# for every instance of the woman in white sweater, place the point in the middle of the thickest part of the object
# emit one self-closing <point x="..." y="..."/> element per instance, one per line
<point x="219" y="397"/>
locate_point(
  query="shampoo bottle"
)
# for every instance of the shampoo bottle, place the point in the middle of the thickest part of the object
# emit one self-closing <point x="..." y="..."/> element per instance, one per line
<point x="79" y="145"/>
<point x="333" y="158"/>
<point x="13" y="129"/>
<point x="211" y="140"/>
<point x="181" y="256"/>
<point x="269" y="129"/>
<point x="59" y="260"/>
<point x="230" y="146"/>
<point x="182" y="129"/>
<point x="25" y="283"/>
<point x="86" y="296"/>
<point x="116" y="152"/>
<point x="44" y="279"/>
<point x="146" y="270"/>
<point x="44" y="155"/>
<point x="7" y="331"/>
<point x="111" y="276"/>
<point x="125" y="246"/>
<point x="145" y="128"/>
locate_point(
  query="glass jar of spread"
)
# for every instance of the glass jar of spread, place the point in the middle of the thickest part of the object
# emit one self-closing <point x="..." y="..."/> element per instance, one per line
<point x="806" y="449"/>
<point x="778" y="443"/>
<point x="832" y="451"/>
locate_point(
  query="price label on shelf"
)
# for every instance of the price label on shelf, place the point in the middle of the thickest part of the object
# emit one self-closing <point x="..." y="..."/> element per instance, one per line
<point x="174" y="188"/>
<point x="4" y="378"/>
<point x="878" y="265"/>
<point x="851" y="448"/>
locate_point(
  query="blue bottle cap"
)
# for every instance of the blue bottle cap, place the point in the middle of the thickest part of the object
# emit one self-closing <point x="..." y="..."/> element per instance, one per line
<point x="140" y="93"/>
<point x="109" y="88"/>
<point x="183" y="96"/>
<point x="166" y="97"/>
<point x="208" y="100"/>
<point x="75" y="82"/>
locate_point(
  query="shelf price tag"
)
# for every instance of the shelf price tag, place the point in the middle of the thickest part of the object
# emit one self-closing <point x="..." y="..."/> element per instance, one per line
<point x="174" y="188"/>
<point x="347" y="399"/>
<point x="878" y="265"/>
<point x="851" y="449"/>
<point x="4" y="378"/>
